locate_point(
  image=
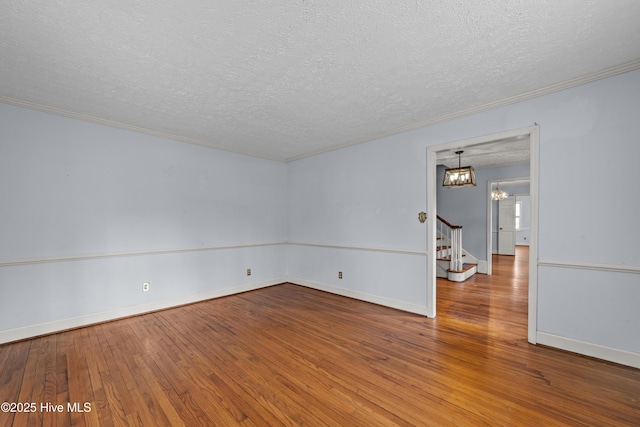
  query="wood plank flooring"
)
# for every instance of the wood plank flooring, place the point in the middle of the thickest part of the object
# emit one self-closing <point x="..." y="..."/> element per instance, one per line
<point x="288" y="355"/>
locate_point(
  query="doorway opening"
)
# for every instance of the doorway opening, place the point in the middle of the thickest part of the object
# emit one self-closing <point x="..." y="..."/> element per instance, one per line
<point x="519" y="189"/>
<point x="435" y="154"/>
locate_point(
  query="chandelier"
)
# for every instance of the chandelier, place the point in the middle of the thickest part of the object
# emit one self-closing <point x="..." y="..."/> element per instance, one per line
<point x="498" y="194"/>
<point x="462" y="176"/>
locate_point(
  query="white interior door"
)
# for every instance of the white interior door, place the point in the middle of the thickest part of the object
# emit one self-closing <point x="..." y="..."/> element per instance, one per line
<point x="507" y="226"/>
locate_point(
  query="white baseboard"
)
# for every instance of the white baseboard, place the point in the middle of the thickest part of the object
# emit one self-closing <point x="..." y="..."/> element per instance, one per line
<point x="387" y="302"/>
<point x="31" y="331"/>
<point x="622" y="357"/>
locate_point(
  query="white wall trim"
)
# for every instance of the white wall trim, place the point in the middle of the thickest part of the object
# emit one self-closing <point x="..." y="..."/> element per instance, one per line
<point x="132" y="128"/>
<point x="622" y="357"/>
<point x="534" y="182"/>
<point x="32" y="331"/>
<point x="630" y="66"/>
<point x="591" y="266"/>
<point x="431" y="231"/>
<point x="361" y="248"/>
<point x="362" y="296"/>
<point x="432" y="152"/>
<point x="483" y="266"/>
<point x="623" y="68"/>
<point x="29" y="261"/>
<point x="66" y="258"/>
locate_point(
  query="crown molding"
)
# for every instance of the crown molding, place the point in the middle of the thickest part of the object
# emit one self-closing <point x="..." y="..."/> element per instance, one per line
<point x="129" y="127"/>
<point x="587" y="78"/>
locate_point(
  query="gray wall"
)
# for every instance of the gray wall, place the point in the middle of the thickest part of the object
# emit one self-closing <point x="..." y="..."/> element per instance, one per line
<point x="90" y="212"/>
<point x="368" y="196"/>
<point x="361" y="204"/>
<point x="111" y="199"/>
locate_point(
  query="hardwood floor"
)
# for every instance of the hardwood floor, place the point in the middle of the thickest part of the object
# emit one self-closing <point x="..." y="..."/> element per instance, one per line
<point x="288" y="355"/>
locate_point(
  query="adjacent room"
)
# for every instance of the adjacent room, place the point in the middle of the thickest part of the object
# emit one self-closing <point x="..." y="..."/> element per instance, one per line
<point x="319" y="213"/>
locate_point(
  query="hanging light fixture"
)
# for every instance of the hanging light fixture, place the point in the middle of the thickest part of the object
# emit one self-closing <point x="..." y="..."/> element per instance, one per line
<point x="462" y="176"/>
<point x="498" y="194"/>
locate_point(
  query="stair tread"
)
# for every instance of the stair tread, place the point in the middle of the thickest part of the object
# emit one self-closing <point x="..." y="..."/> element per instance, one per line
<point x="465" y="267"/>
<point x="447" y="258"/>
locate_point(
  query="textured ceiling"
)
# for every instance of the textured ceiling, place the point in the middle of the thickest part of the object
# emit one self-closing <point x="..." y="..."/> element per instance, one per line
<point x="501" y="152"/>
<point x="287" y="79"/>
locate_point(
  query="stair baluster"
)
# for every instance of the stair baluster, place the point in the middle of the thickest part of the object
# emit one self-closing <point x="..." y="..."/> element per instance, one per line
<point x="451" y="242"/>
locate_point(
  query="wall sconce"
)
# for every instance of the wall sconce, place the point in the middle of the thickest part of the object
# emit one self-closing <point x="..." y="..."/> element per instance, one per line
<point x="422" y="217"/>
<point x="462" y="176"/>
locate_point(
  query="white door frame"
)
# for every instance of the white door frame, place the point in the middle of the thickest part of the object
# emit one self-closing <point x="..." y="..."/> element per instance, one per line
<point x="490" y="183"/>
<point x="534" y="140"/>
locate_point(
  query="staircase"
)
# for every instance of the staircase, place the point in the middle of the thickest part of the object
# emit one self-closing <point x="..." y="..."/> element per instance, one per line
<point x="452" y="261"/>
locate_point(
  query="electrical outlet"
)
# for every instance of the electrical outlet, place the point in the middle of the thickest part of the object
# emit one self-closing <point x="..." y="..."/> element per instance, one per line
<point x="248" y="272"/>
<point x="339" y="274"/>
<point x="145" y="287"/>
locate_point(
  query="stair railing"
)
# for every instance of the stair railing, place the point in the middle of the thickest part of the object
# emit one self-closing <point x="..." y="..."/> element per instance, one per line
<point x="451" y="236"/>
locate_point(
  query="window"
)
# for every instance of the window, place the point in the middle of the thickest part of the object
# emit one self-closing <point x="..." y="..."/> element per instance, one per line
<point x="518" y="216"/>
